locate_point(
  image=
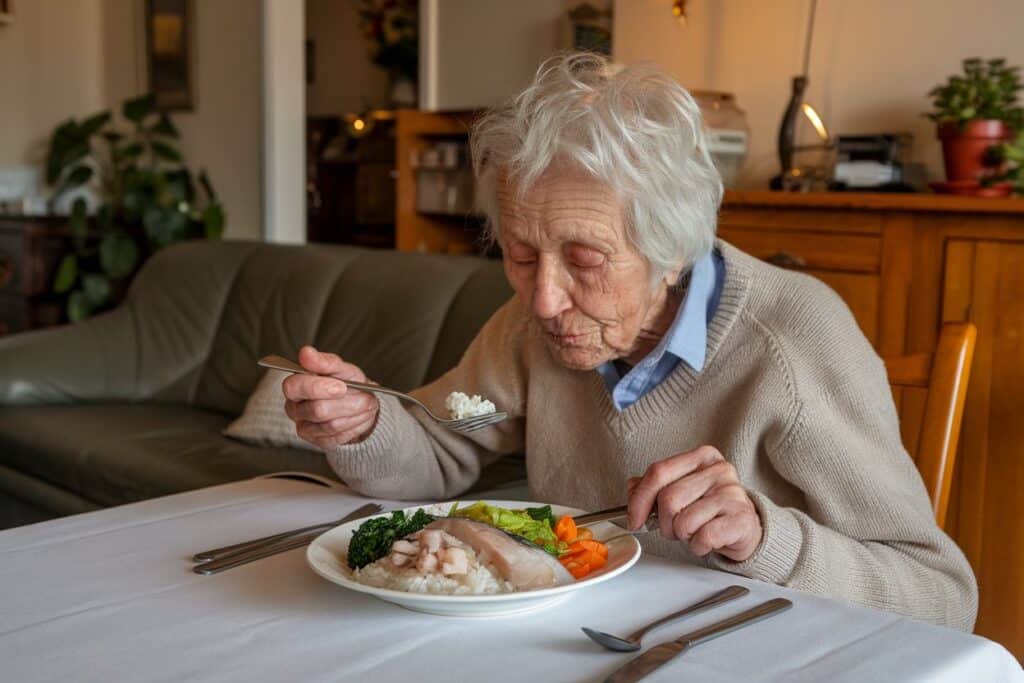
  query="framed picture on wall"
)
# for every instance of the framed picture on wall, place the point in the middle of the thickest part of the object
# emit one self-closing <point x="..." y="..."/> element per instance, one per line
<point x="169" y="27"/>
<point x="6" y="11"/>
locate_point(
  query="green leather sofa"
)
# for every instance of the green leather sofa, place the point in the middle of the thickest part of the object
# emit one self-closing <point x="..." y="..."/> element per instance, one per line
<point x="130" y="404"/>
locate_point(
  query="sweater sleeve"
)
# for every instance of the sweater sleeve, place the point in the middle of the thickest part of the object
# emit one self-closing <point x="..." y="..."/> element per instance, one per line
<point x="867" y="534"/>
<point x="409" y="456"/>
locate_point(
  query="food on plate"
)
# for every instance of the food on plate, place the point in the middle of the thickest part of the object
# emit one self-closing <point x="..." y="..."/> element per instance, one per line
<point x="517" y="561"/>
<point x="476" y="550"/>
<point x="534" y="524"/>
<point x="432" y="561"/>
<point x="374" y="538"/>
<point x="461" y="406"/>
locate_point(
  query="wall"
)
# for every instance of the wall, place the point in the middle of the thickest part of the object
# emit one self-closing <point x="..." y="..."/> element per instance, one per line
<point x="514" y="36"/>
<point x="66" y="58"/>
<point x="346" y="79"/>
<point x="50" y="61"/>
<point x="872" y="61"/>
<point x="224" y="132"/>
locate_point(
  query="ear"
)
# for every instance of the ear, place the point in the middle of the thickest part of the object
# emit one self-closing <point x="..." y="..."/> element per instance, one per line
<point x="671" y="277"/>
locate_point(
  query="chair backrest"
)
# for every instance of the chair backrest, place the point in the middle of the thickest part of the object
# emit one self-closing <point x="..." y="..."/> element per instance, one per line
<point x="944" y="375"/>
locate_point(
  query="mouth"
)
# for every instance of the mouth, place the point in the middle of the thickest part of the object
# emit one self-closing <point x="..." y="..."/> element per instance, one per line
<point x="568" y="339"/>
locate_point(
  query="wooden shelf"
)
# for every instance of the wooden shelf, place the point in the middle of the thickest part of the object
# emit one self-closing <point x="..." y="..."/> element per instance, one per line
<point x="923" y="202"/>
<point x="414" y="230"/>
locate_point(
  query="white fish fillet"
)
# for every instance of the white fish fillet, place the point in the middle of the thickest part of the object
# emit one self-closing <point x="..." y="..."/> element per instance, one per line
<point x="522" y="565"/>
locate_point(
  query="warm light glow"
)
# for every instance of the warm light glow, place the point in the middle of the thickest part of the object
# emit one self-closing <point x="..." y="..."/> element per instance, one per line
<point x="679" y="10"/>
<point x="815" y="120"/>
<point x="359" y="124"/>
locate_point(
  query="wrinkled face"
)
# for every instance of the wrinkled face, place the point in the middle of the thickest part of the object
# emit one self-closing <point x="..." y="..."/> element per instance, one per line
<point x="568" y="258"/>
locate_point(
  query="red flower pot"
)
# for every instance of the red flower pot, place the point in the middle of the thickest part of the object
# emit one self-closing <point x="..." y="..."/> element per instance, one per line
<point x="964" y="149"/>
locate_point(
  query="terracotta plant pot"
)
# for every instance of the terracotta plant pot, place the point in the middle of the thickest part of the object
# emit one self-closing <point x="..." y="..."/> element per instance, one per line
<point x="964" y="149"/>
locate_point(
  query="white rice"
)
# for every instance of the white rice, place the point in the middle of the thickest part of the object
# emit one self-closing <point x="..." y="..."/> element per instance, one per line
<point x="461" y="406"/>
<point x="480" y="580"/>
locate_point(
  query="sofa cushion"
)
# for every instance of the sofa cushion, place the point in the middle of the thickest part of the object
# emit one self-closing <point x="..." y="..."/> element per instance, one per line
<point x="388" y="312"/>
<point x="274" y="305"/>
<point x="119" y="453"/>
<point x="264" y="421"/>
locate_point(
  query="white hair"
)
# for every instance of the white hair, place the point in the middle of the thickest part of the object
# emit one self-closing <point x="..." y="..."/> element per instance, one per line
<point x="635" y="129"/>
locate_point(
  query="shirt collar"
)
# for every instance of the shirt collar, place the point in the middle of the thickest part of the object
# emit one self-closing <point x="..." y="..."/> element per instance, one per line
<point x="687" y="337"/>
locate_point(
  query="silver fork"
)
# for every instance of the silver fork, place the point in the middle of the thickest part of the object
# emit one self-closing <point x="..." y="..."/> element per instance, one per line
<point x="466" y="424"/>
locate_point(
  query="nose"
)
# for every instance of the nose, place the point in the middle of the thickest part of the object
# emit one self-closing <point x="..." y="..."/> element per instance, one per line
<point x="550" y="294"/>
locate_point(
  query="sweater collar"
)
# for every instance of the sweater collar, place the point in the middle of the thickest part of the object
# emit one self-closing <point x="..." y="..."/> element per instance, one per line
<point x="669" y="393"/>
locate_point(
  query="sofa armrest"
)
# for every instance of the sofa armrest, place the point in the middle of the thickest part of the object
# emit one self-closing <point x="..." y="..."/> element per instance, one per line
<point x="92" y="360"/>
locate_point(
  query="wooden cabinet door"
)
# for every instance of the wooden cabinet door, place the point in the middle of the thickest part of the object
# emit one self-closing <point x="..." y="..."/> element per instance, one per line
<point x="848" y="263"/>
<point x="983" y="282"/>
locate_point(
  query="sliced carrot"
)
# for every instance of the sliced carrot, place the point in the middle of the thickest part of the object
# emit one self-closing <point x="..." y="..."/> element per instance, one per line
<point x="577" y="569"/>
<point x="565" y="529"/>
<point x="595" y="547"/>
<point x="584" y="534"/>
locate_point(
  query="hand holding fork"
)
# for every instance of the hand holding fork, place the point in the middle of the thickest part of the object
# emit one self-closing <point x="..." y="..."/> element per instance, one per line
<point x="326" y="413"/>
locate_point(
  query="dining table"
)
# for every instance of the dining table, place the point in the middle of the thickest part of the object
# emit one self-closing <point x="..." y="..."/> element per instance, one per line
<point x="111" y="596"/>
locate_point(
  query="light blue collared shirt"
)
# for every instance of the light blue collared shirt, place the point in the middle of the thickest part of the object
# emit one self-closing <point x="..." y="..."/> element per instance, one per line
<point x="686" y="339"/>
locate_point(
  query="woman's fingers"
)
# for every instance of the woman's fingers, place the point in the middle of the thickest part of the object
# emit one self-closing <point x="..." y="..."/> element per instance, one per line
<point x="631" y="485"/>
<point x="329" y="364"/>
<point x="661" y="474"/>
<point x="689" y="520"/>
<point x="312" y="388"/>
<point x="323" y="410"/>
<point x="339" y="431"/>
<point x="720" y="534"/>
<point x="682" y="493"/>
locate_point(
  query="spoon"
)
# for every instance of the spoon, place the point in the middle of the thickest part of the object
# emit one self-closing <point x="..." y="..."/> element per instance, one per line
<point x="631" y="643"/>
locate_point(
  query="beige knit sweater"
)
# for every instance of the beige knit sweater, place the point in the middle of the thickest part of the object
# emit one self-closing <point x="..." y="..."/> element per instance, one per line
<point x="793" y="395"/>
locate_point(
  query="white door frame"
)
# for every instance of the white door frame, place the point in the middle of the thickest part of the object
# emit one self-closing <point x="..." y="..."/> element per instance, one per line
<point x="284" y="121"/>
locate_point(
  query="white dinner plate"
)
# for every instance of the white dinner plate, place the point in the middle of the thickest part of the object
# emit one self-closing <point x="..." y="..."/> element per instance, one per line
<point x="327" y="555"/>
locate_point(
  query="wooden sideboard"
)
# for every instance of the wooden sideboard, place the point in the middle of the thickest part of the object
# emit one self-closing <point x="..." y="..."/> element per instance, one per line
<point x="904" y="263"/>
<point x="30" y="250"/>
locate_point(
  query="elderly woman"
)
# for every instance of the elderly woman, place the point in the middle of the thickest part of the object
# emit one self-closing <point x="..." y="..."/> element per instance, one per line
<point x="643" y="360"/>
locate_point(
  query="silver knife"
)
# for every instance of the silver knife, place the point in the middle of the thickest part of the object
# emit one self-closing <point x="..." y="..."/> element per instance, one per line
<point x="612" y="514"/>
<point x="641" y="666"/>
<point x="217" y="553"/>
<point x="289" y="543"/>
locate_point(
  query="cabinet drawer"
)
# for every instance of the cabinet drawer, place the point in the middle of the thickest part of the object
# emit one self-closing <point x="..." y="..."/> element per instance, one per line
<point x="854" y="253"/>
<point x="12" y="255"/>
<point x="14" y="314"/>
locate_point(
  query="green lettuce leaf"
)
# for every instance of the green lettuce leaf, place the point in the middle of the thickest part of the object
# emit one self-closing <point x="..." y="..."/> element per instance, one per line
<point x="536" y="529"/>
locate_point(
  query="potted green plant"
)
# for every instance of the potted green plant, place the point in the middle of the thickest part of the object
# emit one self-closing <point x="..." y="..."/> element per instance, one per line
<point x="148" y="200"/>
<point x="1009" y="158"/>
<point x="976" y="111"/>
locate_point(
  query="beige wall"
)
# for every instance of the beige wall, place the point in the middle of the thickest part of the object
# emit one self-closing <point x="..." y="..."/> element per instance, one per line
<point x="50" y="61"/>
<point x="224" y="132"/>
<point x="346" y="79"/>
<point x="872" y="63"/>
<point x="66" y="58"/>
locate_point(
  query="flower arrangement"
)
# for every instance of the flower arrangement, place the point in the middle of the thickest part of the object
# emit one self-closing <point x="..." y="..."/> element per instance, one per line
<point x="391" y="29"/>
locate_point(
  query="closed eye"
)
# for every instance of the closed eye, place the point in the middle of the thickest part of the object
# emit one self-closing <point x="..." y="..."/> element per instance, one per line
<point x="521" y="254"/>
<point x="585" y="257"/>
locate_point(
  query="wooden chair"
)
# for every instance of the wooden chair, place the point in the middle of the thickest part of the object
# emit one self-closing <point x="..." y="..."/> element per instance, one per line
<point x="945" y="375"/>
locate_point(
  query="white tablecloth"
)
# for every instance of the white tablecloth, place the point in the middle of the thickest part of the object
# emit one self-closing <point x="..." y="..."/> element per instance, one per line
<point x="108" y="596"/>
